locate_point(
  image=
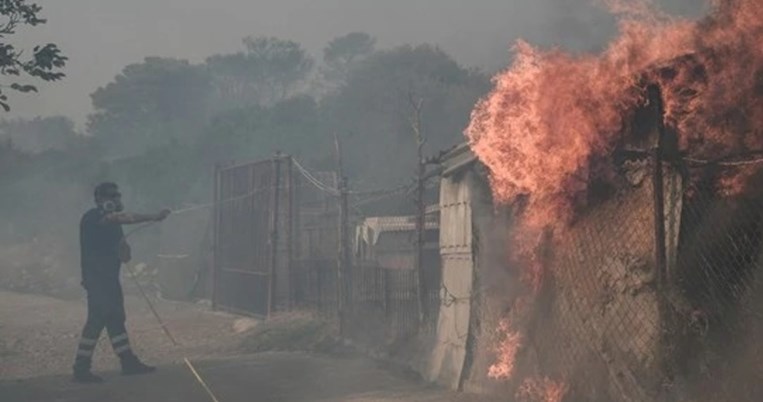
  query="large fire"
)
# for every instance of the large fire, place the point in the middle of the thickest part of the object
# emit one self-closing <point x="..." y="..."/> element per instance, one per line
<point x="552" y="114"/>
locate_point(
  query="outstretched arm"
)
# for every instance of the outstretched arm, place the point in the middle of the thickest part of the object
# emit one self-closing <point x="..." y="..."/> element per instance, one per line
<point x="126" y="218"/>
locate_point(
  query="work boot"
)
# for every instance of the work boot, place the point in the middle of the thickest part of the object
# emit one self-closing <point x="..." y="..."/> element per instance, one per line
<point x="85" y="376"/>
<point x="131" y="365"/>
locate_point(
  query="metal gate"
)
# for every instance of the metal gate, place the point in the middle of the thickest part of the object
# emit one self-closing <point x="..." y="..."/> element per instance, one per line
<point x="253" y="229"/>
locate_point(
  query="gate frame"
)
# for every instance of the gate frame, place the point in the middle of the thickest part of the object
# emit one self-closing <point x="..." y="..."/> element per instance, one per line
<point x="277" y="181"/>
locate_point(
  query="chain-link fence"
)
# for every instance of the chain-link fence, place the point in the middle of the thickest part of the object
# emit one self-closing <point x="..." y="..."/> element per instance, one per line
<point x="717" y="285"/>
<point x="652" y="293"/>
<point x="595" y="325"/>
<point x="285" y="225"/>
<point x="384" y="307"/>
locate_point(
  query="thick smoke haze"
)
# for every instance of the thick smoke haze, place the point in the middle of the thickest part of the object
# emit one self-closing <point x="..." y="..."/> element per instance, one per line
<point x="101" y="37"/>
<point x="283" y="134"/>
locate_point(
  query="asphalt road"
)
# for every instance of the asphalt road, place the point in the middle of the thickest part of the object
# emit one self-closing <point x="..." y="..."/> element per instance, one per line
<point x="38" y="336"/>
<point x="261" y="377"/>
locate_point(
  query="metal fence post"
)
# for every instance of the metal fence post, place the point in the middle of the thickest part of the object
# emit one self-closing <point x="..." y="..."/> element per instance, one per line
<point x="667" y="318"/>
<point x="290" y="275"/>
<point x="344" y="276"/>
<point x="659" y="249"/>
<point x="416" y="125"/>
<point x="215" y="235"/>
<point x="274" y="234"/>
<point x="420" y="229"/>
<point x="659" y="193"/>
<point x="347" y="244"/>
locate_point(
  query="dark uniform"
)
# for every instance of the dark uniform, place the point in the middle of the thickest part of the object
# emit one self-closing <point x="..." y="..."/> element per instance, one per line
<point x="103" y="249"/>
<point x="99" y="249"/>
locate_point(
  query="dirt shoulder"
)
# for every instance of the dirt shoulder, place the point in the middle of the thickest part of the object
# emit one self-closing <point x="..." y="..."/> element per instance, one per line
<point x="39" y="336"/>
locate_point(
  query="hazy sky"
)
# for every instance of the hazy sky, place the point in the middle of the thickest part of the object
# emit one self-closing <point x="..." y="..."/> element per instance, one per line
<point x="101" y="36"/>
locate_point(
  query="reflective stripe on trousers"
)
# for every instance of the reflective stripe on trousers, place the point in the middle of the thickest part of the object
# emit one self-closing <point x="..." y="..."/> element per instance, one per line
<point x="120" y="343"/>
<point x="86" y="347"/>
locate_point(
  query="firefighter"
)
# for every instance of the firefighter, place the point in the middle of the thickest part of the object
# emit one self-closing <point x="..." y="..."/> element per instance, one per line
<point x="103" y="249"/>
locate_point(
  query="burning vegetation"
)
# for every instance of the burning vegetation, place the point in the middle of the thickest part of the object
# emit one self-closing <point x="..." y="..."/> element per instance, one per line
<point x="544" y="390"/>
<point x="548" y="130"/>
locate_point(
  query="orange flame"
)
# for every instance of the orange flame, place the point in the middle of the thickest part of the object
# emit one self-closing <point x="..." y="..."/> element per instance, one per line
<point x="508" y="347"/>
<point x="552" y="113"/>
<point x="541" y="390"/>
<point x="552" y="117"/>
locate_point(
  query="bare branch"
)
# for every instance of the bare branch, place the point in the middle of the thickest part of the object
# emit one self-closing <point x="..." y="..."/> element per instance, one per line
<point x="416" y="106"/>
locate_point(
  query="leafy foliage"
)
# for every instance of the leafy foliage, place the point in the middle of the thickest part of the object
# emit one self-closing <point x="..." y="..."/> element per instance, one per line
<point x="160" y="125"/>
<point x="10" y="158"/>
<point x="293" y="126"/>
<point x="46" y="61"/>
<point x="161" y="176"/>
<point x="373" y="110"/>
<point x="267" y="72"/>
<point x="343" y="52"/>
<point x="40" y="133"/>
<point x="149" y="105"/>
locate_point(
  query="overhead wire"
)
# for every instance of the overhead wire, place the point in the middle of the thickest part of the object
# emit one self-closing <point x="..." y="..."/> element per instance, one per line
<point x="363" y="197"/>
<point x="313" y="180"/>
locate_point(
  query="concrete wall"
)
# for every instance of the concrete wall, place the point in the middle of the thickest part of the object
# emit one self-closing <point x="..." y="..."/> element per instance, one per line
<point x="456" y="249"/>
<point x="475" y="281"/>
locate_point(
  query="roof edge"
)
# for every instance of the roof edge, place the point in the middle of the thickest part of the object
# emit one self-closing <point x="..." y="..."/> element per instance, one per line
<point x="457" y="159"/>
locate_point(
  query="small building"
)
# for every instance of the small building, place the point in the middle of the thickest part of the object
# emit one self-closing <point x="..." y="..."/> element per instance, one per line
<point x="595" y="325"/>
<point x="390" y="241"/>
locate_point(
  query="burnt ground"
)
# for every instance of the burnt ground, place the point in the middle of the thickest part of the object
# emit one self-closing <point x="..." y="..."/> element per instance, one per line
<point x="38" y="337"/>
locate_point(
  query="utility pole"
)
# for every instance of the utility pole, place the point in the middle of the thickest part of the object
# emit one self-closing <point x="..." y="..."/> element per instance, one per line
<point x="344" y="271"/>
<point x="416" y="105"/>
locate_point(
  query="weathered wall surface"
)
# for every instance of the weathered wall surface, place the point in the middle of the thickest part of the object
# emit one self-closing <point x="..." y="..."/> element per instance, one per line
<point x="456" y="249"/>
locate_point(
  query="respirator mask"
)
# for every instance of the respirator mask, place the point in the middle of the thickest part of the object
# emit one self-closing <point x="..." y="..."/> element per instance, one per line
<point x="112" y="203"/>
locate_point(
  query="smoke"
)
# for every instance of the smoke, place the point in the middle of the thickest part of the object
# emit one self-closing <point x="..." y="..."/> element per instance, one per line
<point x="102" y="37"/>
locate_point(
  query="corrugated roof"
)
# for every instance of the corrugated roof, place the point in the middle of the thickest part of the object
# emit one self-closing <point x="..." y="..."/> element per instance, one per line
<point x="372" y="228"/>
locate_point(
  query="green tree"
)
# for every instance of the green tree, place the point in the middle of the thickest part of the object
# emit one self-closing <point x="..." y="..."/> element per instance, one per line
<point x="11" y="158"/>
<point x="40" y="133"/>
<point x="342" y="52"/>
<point x="150" y="104"/>
<point x="44" y="62"/>
<point x="372" y="111"/>
<point x="293" y="126"/>
<point x="268" y="71"/>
